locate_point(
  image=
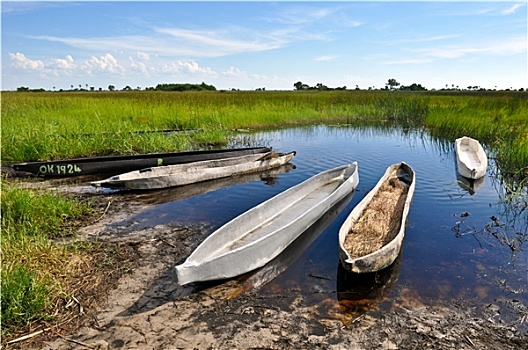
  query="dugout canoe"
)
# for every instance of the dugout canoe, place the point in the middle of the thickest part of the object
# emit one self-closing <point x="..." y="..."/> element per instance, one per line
<point x="124" y="163"/>
<point x="189" y="173"/>
<point x="288" y="256"/>
<point x="471" y="158"/>
<point x="371" y="237"/>
<point x="255" y="237"/>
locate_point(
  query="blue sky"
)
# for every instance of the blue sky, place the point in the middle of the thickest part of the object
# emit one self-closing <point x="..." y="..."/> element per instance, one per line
<point x="272" y="45"/>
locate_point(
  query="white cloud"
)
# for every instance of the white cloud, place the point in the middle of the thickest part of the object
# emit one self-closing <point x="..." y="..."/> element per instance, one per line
<point x="20" y="61"/>
<point x="64" y="64"/>
<point x="512" y="9"/>
<point x="139" y="67"/>
<point x="220" y="42"/>
<point x="142" y="56"/>
<point x="234" y="72"/>
<point x="105" y="63"/>
<point x="179" y="66"/>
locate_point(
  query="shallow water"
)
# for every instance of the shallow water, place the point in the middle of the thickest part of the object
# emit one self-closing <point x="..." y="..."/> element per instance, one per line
<point x="457" y="247"/>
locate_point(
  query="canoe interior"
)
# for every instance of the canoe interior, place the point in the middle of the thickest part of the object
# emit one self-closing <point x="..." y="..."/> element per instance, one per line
<point x="267" y="217"/>
<point x="387" y="253"/>
<point x="471" y="158"/>
<point x="286" y="215"/>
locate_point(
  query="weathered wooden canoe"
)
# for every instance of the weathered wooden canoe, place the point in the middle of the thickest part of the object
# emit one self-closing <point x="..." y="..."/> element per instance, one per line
<point x="121" y="164"/>
<point x="289" y="255"/>
<point x="370" y="239"/>
<point x="471" y="158"/>
<point x="189" y="173"/>
<point x="254" y="238"/>
<point x="172" y="194"/>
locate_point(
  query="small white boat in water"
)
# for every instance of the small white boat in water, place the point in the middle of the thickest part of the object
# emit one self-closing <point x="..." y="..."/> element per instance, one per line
<point x="185" y="174"/>
<point x="254" y="238"/>
<point x="471" y="158"/>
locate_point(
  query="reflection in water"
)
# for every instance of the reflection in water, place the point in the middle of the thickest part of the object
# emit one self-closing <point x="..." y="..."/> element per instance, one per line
<point x="182" y="192"/>
<point x="470" y="185"/>
<point x="358" y="293"/>
<point x="275" y="267"/>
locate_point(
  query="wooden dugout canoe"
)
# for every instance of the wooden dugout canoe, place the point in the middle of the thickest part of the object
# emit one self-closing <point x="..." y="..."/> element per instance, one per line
<point x="189" y="173"/>
<point x="121" y="164"/>
<point x="471" y="158"/>
<point x="371" y="237"/>
<point x="255" y="237"/>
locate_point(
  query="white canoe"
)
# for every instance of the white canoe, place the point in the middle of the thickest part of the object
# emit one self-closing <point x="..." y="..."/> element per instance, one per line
<point x="471" y="158"/>
<point x="389" y="248"/>
<point x="255" y="237"/>
<point x="185" y="174"/>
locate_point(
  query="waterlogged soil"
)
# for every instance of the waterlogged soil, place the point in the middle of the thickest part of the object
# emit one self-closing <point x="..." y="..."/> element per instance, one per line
<point x="144" y="309"/>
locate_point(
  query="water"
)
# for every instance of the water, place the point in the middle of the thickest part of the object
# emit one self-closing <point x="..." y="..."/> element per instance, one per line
<point x="457" y="247"/>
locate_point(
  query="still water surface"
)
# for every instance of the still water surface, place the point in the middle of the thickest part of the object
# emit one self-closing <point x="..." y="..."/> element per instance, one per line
<point x="457" y="243"/>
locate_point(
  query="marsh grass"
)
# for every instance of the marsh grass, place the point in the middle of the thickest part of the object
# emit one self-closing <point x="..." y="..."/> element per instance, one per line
<point x="43" y="126"/>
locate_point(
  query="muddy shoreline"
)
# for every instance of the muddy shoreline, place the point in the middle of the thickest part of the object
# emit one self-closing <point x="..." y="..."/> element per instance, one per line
<point x="145" y="310"/>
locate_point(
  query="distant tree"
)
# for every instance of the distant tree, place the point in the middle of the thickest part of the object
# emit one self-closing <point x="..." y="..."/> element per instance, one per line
<point x="298" y="85"/>
<point x="22" y="89"/>
<point x="392" y="83"/>
<point x="185" y="87"/>
<point x="127" y="88"/>
<point x="413" y="87"/>
<point x="321" y="87"/>
<point x="111" y="87"/>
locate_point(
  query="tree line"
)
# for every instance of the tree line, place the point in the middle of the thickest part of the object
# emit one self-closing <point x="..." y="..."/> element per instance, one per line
<point x="392" y="84"/>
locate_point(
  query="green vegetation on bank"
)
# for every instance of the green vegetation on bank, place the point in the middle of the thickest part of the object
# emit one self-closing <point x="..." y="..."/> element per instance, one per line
<point x="33" y="266"/>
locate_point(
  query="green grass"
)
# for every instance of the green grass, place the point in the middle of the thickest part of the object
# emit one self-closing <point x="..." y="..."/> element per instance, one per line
<point x="31" y="263"/>
<point x="43" y="126"/>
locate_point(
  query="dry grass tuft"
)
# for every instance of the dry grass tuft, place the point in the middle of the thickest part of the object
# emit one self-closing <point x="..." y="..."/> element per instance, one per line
<point x="380" y="221"/>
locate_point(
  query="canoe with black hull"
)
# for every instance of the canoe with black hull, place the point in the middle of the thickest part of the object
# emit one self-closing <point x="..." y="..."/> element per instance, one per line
<point x="371" y="237"/>
<point x="255" y="237"/>
<point x="189" y="173"/>
<point x="123" y="163"/>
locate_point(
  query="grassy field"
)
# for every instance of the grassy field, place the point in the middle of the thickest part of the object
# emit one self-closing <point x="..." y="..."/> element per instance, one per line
<point x="43" y="126"/>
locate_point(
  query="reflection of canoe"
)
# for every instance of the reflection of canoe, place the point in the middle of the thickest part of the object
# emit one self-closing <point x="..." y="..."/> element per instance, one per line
<point x="122" y="164"/>
<point x="370" y="239"/>
<point x="185" y="174"/>
<point x="471" y="158"/>
<point x="470" y="185"/>
<point x="182" y="192"/>
<point x="252" y="239"/>
<point x="278" y="265"/>
<point x="358" y="292"/>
